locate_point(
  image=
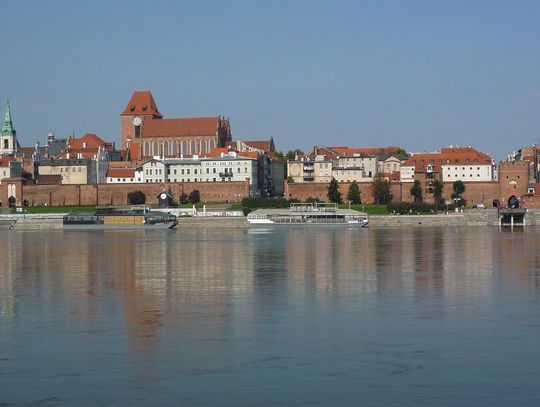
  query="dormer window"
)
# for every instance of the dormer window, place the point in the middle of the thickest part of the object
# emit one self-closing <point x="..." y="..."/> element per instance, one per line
<point x="144" y="108"/>
<point x="132" y="108"/>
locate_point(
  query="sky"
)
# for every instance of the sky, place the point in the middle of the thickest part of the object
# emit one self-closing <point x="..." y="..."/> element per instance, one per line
<point x="416" y="74"/>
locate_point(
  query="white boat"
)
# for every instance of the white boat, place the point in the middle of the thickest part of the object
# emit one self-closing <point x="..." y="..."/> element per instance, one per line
<point x="327" y="214"/>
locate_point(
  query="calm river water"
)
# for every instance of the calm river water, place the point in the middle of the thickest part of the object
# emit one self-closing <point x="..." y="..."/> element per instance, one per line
<point x="264" y="317"/>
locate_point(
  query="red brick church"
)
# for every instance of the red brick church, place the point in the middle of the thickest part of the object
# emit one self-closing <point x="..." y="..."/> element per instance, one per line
<point x="145" y="133"/>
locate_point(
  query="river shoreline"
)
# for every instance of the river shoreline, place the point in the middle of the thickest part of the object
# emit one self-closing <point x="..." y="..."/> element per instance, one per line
<point x="467" y="218"/>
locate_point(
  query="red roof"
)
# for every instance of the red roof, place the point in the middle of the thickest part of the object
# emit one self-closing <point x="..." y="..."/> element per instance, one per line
<point x="447" y="155"/>
<point x="366" y="151"/>
<point x="88" y="141"/>
<point x="197" y="126"/>
<point x="216" y="152"/>
<point x="4" y="161"/>
<point x="264" y="145"/>
<point x="142" y="103"/>
<point x="121" y="173"/>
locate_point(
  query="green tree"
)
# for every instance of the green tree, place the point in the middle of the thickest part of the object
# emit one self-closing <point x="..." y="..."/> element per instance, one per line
<point x="402" y="152"/>
<point x="136" y="198"/>
<point x="292" y="154"/>
<point x="381" y="190"/>
<point x="437" y="191"/>
<point x="416" y="191"/>
<point x="353" y="195"/>
<point x="194" y="197"/>
<point x="333" y="191"/>
<point x="458" y="188"/>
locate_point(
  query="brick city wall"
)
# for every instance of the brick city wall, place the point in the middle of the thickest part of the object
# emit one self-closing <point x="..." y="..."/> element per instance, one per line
<point x="475" y="192"/>
<point x="304" y="190"/>
<point x="117" y="194"/>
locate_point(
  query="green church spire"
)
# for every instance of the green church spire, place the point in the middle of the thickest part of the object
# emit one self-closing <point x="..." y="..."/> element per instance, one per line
<point x="7" y="128"/>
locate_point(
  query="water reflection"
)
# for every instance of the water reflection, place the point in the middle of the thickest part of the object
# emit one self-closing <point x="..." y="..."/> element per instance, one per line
<point x="159" y="304"/>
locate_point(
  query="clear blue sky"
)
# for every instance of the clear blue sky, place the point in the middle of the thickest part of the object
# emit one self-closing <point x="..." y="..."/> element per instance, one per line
<point x="418" y="74"/>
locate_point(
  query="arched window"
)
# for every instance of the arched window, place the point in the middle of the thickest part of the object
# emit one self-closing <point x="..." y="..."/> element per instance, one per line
<point x="212" y="144"/>
<point x="6" y="144"/>
<point x="174" y="148"/>
<point x="184" y="147"/>
<point x="156" y="148"/>
<point x="147" y="149"/>
<point x="203" y="146"/>
<point x="193" y="147"/>
<point x="165" y="148"/>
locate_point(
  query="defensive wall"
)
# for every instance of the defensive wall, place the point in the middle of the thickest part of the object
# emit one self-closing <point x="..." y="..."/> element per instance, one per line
<point x="116" y="194"/>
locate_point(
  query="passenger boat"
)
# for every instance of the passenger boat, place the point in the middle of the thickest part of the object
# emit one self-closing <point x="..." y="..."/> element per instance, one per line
<point x="327" y="214"/>
<point x="136" y="217"/>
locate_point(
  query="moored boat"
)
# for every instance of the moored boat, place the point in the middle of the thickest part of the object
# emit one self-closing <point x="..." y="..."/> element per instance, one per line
<point x="136" y="217"/>
<point x="323" y="214"/>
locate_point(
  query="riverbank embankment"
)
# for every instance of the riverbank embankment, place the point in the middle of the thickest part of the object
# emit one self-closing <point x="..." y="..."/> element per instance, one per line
<point x="481" y="217"/>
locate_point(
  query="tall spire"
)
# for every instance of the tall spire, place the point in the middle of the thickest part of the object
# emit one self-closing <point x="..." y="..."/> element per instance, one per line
<point x="7" y="128"/>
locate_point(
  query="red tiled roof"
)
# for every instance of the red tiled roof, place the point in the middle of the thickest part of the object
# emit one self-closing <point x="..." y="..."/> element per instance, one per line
<point x="447" y="155"/>
<point x="366" y="151"/>
<point x="121" y="173"/>
<point x="141" y="103"/>
<point x="216" y="152"/>
<point x="29" y="151"/>
<point x="197" y="126"/>
<point x="89" y="139"/>
<point x="4" y="161"/>
<point x="264" y="145"/>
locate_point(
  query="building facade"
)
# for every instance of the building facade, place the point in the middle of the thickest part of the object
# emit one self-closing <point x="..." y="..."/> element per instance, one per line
<point x="225" y="168"/>
<point x="8" y="135"/>
<point x="146" y="134"/>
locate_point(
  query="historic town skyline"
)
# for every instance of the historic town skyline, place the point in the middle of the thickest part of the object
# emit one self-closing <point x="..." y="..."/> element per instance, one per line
<point x="418" y="75"/>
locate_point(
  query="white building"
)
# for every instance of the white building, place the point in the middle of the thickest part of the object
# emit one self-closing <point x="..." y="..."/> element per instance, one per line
<point x="467" y="172"/>
<point x="224" y="168"/>
<point x="121" y="176"/>
<point x="9" y="168"/>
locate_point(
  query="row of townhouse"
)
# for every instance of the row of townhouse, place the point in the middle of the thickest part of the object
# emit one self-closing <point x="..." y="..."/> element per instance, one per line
<point x="451" y="164"/>
<point x="345" y="164"/>
<point x="226" y="167"/>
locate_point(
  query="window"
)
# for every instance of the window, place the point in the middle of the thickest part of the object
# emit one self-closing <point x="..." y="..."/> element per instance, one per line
<point x="193" y="147"/>
<point x="245" y="169"/>
<point x="165" y="147"/>
<point x="187" y="171"/>
<point x="238" y="169"/>
<point x="156" y="148"/>
<point x="182" y="171"/>
<point x="195" y="171"/>
<point x="203" y="146"/>
<point x="207" y="170"/>
<point x="184" y="147"/>
<point x="214" y="170"/>
<point x="174" y="148"/>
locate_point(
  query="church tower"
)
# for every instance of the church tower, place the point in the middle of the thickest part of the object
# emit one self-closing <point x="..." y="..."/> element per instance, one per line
<point x="8" y="136"/>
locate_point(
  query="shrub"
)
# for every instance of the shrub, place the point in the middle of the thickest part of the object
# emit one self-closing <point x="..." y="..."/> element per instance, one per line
<point x="405" y="208"/>
<point x="137" y="198"/>
<point x="194" y="197"/>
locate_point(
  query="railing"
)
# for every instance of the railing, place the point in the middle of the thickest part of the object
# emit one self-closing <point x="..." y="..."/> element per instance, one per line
<point x="313" y="207"/>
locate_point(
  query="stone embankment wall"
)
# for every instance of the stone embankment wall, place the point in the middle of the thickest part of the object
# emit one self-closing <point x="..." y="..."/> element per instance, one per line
<point x="476" y="218"/>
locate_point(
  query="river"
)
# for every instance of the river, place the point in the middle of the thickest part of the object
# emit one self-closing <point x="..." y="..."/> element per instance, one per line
<point x="266" y="317"/>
